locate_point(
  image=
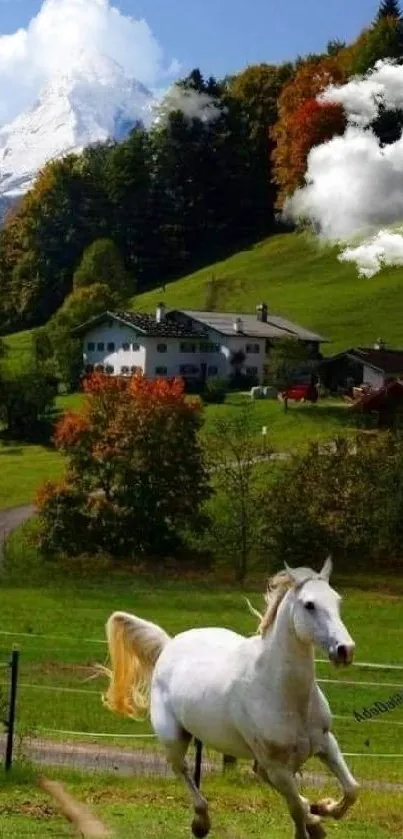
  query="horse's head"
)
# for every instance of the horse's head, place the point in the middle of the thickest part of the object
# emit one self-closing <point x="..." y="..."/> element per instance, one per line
<point x="316" y="613"/>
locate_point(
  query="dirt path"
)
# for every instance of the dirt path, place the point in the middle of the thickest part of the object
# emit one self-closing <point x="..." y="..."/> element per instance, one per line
<point x="10" y="519"/>
<point x="151" y="762"/>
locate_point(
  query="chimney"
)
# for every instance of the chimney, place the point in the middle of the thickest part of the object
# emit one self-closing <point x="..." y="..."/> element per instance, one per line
<point x="160" y="313"/>
<point x="261" y="312"/>
<point x="238" y="325"/>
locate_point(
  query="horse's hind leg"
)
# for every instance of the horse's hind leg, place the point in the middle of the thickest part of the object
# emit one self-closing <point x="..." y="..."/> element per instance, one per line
<point x="176" y="755"/>
<point x="176" y="742"/>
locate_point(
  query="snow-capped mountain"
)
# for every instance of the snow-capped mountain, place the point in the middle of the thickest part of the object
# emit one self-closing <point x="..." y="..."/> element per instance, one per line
<point x="89" y="103"/>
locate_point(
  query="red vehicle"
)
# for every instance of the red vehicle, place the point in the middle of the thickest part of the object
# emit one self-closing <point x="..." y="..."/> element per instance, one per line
<point x="300" y="393"/>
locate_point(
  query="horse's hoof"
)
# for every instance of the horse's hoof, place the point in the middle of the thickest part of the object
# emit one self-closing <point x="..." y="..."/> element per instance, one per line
<point x="201" y="825"/>
<point x="316" y="831"/>
<point x="323" y="808"/>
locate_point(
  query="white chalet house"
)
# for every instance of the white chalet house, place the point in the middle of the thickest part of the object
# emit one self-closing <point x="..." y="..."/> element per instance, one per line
<point x="191" y="344"/>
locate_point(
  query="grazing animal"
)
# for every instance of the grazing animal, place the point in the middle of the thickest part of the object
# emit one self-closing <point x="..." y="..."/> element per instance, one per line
<point x="253" y="698"/>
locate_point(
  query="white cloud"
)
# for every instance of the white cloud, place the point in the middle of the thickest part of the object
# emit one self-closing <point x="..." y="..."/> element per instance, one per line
<point x="382" y="250"/>
<point x="192" y="103"/>
<point x="354" y="187"/>
<point x="61" y="31"/>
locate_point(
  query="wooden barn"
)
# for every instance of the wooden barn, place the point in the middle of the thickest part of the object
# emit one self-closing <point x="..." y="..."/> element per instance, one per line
<point x="361" y="366"/>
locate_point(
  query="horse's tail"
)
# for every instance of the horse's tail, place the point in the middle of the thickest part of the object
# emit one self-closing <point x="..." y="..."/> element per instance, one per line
<point x="134" y="647"/>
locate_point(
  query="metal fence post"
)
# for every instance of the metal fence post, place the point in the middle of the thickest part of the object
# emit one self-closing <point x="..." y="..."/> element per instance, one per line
<point x="10" y="723"/>
<point x="198" y="762"/>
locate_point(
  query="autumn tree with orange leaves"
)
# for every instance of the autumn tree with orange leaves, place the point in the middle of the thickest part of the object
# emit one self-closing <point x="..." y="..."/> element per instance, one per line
<point x="135" y="477"/>
<point x="303" y="122"/>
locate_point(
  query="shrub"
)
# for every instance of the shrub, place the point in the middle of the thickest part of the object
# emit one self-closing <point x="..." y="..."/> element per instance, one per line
<point x="135" y="478"/>
<point x="27" y="394"/>
<point x="215" y="391"/>
<point x="347" y="501"/>
<point x="242" y="381"/>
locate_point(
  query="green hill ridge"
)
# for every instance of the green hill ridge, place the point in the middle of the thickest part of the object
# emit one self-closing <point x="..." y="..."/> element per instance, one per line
<point x="301" y="280"/>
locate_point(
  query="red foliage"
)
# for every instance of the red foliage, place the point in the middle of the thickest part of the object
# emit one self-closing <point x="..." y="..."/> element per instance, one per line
<point x="303" y="122"/>
<point x="70" y="429"/>
<point x="313" y="123"/>
<point x="135" y="468"/>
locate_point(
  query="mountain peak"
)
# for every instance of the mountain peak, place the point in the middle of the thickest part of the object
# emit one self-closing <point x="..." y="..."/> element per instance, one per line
<point x="90" y="102"/>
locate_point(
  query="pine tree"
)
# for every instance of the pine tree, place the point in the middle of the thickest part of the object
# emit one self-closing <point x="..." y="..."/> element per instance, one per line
<point x="389" y="8"/>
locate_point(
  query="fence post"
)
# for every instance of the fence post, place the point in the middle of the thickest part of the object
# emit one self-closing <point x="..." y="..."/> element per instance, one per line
<point x="12" y="707"/>
<point x="198" y="762"/>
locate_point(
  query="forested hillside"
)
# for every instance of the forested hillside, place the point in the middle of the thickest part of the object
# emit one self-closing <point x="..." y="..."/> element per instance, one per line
<point x="184" y="194"/>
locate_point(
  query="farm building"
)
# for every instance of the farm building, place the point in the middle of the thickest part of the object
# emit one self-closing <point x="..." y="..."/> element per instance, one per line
<point x="192" y="344"/>
<point x="372" y="366"/>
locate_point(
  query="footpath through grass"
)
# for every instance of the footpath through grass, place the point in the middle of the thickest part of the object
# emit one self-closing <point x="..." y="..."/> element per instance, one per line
<point x="240" y="808"/>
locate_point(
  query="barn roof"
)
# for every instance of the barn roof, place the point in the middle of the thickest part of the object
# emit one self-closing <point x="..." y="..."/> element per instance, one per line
<point x="384" y="360"/>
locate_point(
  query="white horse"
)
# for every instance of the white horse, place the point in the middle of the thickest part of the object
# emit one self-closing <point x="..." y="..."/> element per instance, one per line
<point x="253" y="698"/>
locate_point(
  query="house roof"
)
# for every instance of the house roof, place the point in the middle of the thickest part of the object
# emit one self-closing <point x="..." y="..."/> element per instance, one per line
<point x="221" y="322"/>
<point x="145" y="324"/>
<point x="274" y="327"/>
<point x="386" y="361"/>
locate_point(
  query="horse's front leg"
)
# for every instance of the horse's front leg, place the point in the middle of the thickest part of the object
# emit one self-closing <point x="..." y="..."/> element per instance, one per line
<point x="307" y="824"/>
<point x="332" y="757"/>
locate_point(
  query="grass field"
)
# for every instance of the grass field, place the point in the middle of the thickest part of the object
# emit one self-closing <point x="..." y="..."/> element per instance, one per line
<point x="23" y="467"/>
<point x="155" y="809"/>
<point x="159" y="809"/>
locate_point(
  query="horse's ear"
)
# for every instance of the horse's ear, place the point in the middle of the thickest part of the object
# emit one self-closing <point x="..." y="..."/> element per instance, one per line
<point x="327" y="569"/>
<point x="299" y="576"/>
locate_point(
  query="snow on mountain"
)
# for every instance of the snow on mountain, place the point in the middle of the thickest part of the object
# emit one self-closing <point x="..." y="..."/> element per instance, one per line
<point x="90" y="102"/>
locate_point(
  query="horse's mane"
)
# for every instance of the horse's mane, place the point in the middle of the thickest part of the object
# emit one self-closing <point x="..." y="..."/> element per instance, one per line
<point x="276" y="590"/>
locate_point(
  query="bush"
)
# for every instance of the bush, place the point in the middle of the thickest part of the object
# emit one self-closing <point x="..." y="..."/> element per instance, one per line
<point x="27" y="394"/>
<point x="215" y="391"/>
<point x="242" y="381"/>
<point x="135" y="479"/>
<point x="348" y="502"/>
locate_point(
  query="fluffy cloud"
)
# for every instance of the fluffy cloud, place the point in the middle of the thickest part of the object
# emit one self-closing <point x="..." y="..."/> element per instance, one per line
<point x="354" y="187"/>
<point x="194" y="105"/>
<point x="65" y="29"/>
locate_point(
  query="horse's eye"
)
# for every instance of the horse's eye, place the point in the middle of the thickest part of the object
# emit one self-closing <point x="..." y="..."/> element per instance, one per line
<point x="310" y="606"/>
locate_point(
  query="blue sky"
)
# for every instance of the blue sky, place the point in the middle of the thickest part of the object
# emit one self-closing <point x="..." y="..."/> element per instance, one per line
<point x="222" y="36"/>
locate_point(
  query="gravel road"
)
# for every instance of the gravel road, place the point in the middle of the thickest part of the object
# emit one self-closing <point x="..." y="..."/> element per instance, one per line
<point x="12" y="518"/>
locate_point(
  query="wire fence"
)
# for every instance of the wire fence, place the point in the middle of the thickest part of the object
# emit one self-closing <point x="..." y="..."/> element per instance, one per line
<point x="61" y="723"/>
<point x="61" y="720"/>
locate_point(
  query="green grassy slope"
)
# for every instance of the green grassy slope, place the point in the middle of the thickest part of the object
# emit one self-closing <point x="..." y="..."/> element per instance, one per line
<point x="20" y="348"/>
<point x="298" y="279"/>
<point x="302" y="281"/>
